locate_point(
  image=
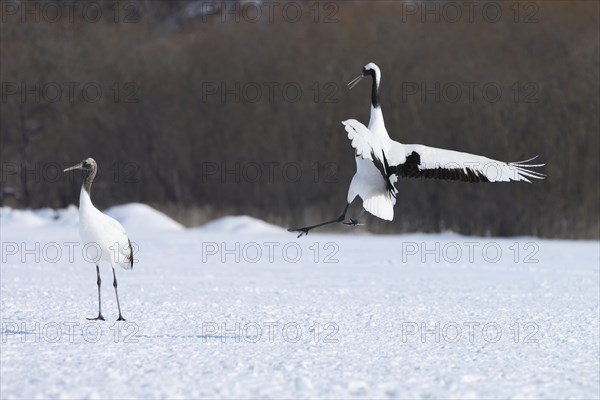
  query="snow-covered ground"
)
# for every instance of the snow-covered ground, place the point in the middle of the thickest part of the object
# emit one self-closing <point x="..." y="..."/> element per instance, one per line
<point x="240" y="308"/>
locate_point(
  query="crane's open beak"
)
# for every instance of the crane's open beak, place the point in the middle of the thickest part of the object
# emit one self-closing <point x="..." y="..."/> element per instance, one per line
<point x="76" y="166"/>
<point x="355" y="81"/>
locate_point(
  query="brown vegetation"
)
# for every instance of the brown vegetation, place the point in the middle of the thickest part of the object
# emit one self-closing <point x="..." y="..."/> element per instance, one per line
<point x="162" y="138"/>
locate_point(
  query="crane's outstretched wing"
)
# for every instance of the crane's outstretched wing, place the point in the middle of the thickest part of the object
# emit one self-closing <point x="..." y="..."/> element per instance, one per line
<point x="418" y="161"/>
<point x="369" y="147"/>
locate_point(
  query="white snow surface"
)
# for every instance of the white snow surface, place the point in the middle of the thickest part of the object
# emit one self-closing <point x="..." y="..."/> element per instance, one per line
<point x="243" y="309"/>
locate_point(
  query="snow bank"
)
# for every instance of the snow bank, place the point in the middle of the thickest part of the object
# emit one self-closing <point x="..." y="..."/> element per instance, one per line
<point x="12" y="218"/>
<point x="134" y="216"/>
<point x="239" y="224"/>
<point x="141" y="216"/>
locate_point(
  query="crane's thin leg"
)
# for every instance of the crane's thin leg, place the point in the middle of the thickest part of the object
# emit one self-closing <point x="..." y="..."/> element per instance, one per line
<point x="99" y="281"/>
<point x="354" y="221"/>
<point x="304" y="231"/>
<point x="117" y="294"/>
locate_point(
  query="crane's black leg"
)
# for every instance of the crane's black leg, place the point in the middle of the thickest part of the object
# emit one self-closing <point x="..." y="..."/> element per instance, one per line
<point x="117" y="294"/>
<point x="99" y="281"/>
<point x="304" y="231"/>
<point x="354" y="221"/>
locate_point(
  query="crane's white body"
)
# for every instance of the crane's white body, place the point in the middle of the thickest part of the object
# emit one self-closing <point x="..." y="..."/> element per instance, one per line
<point x="104" y="233"/>
<point x="367" y="182"/>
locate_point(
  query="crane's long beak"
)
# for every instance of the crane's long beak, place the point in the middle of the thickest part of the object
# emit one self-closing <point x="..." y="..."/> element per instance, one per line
<point x="355" y="81"/>
<point x="76" y="166"/>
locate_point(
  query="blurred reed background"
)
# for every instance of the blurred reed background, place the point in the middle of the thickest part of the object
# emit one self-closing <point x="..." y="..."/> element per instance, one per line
<point x="207" y="108"/>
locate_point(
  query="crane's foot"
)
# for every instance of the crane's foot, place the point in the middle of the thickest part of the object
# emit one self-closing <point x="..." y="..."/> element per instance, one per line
<point x="353" y="222"/>
<point x="121" y="318"/>
<point x="303" y="231"/>
<point x="98" y="318"/>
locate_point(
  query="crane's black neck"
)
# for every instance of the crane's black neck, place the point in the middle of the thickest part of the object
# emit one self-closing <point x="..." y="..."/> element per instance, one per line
<point x="374" y="90"/>
<point x="89" y="178"/>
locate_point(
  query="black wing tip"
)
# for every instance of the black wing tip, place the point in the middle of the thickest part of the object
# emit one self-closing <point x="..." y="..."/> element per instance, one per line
<point x="130" y="253"/>
<point x="384" y="169"/>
